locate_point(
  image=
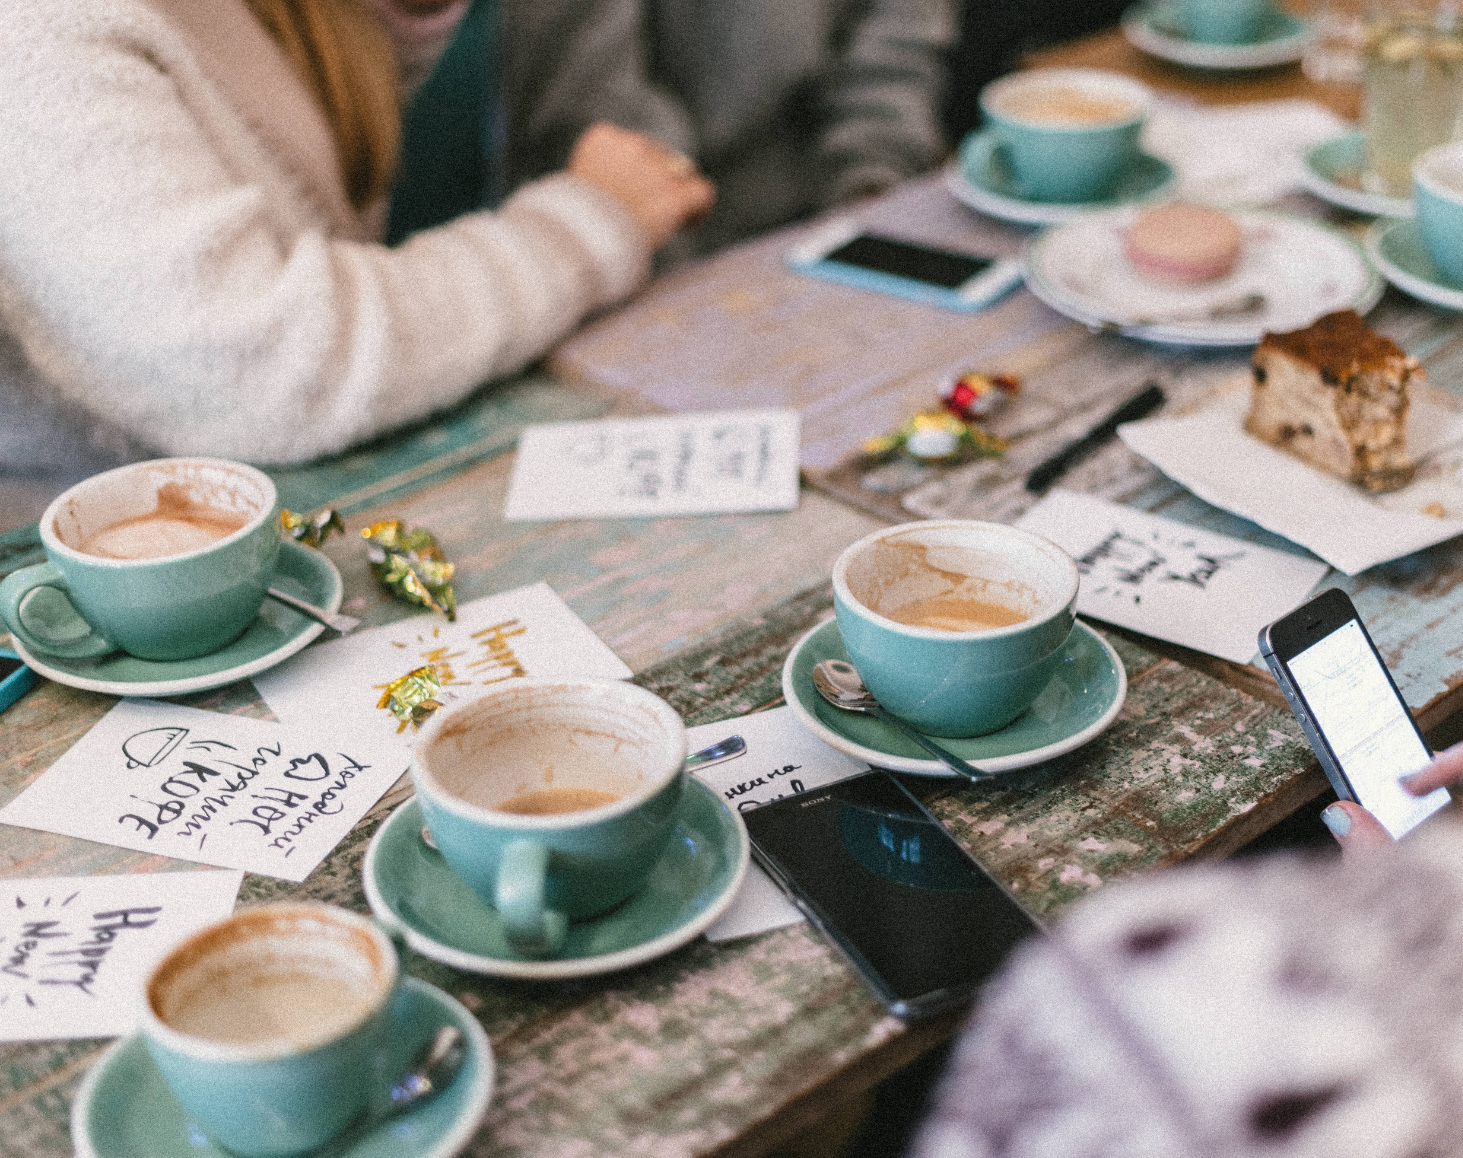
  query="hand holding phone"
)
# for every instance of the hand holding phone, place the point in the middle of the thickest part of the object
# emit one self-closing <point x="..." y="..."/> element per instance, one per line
<point x="957" y="281"/>
<point x="1350" y="710"/>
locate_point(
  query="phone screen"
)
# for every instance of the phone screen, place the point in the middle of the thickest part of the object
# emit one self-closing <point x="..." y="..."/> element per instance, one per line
<point x="916" y="262"/>
<point x="920" y="919"/>
<point x="9" y="664"/>
<point x="1366" y="725"/>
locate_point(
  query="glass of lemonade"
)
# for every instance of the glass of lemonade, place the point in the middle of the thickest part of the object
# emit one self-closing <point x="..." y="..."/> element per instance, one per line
<point x="1412" y="95"/>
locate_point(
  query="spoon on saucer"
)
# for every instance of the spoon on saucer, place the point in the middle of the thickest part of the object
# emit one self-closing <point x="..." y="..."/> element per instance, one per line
<point x="722" y="750"/>
<point x="840" y="684"/>
<point x="332" y="619"/>
<point x="430" y="1072"/>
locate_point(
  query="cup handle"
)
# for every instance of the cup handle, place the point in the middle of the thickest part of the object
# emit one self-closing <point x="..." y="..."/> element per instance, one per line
<point x="532" y="929"/>
<point x="13" y="592"/>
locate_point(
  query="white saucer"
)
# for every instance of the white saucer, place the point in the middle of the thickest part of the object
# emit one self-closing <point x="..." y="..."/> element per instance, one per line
<point x="124" y="1109"/>
<point x="1397" y="249"/>
<point x="1083" y="698"/>
<point x="1333" y="172"/>
<point x="1301" y="268"/>
<point x="1154" y="28"/>
<point x="275" y="635"/>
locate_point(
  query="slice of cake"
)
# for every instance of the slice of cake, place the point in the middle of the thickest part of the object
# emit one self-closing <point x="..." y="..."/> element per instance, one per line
<point x="1335" y="395"/>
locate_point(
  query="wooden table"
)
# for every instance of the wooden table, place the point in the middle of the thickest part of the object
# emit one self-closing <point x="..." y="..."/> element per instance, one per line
<point x="733" y="1048"/>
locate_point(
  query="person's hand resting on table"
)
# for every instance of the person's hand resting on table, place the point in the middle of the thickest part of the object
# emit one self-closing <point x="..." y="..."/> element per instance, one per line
<point x="1357" y="830"/>
<point x="662" y="189"/>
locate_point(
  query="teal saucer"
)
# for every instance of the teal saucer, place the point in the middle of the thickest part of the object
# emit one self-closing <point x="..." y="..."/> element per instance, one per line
<point x="1154" y="27"/>
<point x="411" y="890"/>
<point x="981" y="177"/>
<point x="1335" y="171"/>
<point x="276" y="634"/>
<point x="125" y="1110"/>
<point x="1083" y="698"/>
<point x="1396" y="249"/>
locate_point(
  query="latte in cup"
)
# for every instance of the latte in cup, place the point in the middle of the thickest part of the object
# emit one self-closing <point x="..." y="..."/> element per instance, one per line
<point x="550" y="801"/>
<point x="179" y="524"/>
<point x="947" y="613"/>
<point x="1061" y="104"/>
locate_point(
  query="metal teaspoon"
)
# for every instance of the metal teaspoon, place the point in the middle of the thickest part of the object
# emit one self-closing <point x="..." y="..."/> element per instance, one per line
<point x="839" y="683"/>
<point x="431" y="1071"/>
<point x="332" y="619"/>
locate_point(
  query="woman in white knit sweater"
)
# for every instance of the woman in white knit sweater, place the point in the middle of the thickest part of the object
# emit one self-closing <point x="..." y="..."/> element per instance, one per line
<point x="191" y="201"/>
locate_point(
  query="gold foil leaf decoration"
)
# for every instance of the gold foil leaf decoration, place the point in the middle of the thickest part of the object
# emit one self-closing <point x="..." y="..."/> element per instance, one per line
<point x="413" y="697"/>
<point x="311" y="530"/>
<point x="411" y="566"/>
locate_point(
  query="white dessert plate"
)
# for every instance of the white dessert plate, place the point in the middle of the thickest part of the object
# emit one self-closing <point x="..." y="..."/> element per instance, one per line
<point x="1397" y="250"/>
<point x="1155" y="29"/>
<point x="275" y="635"/>
<point x="1291" y="271"/>
<point x="1208" y="451"/>
<point x="981" y="178"/>
<point x="1335" y="171"/>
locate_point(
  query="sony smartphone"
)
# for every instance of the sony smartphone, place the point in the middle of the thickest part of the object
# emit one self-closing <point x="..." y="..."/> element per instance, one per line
<point x="1350" y="710"/>
<point x="958" y="281"/>
<point x="882" y="879"/>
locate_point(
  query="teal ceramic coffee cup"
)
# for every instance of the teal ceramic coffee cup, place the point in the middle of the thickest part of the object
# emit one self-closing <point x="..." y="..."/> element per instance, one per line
<point x="955" y="626"/>
<point x="1437" y="194"/>
<point x="1068" y="134"/>
<point x="552" y="799"/>
<point x="164" y="560"/>
<point x="1222" y="21"/>
<point x="271" y="1027"/>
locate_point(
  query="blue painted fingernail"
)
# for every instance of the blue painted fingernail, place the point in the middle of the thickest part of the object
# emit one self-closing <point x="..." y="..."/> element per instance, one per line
<point x="1334" y="817"/>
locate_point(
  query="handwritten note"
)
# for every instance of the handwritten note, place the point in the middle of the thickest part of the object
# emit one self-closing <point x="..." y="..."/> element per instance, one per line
<point x="528" y="631"/>
<point x="207" y="787"/>
<point x="74" y="950"/>
<point x="782" y="759"/>
<point x="686" y="464"/>
<point x="1171" y="581"/>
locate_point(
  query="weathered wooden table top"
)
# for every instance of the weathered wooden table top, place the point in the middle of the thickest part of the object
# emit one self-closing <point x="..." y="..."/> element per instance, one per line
<point x="730" y="1048"/>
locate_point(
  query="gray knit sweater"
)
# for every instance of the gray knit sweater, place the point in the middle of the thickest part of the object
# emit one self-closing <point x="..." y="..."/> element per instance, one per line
<point x="789" y="105"/>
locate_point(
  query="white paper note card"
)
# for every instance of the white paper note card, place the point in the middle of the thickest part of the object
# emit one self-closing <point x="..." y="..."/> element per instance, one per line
<point x="1171" y="581"/>
<point x="74" y="950"/>
<point x="782" y="759"/>
<point x="528" y="631"/>
<point x="207" y="787"/>
<point x="683" y="464"/>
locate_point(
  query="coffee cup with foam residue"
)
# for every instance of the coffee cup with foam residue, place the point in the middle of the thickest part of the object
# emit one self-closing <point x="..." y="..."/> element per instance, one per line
<point x="954" y="625"/>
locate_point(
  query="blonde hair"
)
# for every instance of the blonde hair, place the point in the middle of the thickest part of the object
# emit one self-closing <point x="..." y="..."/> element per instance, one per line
<point x="343" y="53"/>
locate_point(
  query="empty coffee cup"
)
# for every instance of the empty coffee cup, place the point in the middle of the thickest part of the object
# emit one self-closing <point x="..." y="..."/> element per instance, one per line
<point x="270" y="1028"/>
<point x="552" y="799"/>
<point x="165" y="560"/>
<point x="955" y="626"/>
<point x="1437" y="189"/>
<point x="1068" y="133"/>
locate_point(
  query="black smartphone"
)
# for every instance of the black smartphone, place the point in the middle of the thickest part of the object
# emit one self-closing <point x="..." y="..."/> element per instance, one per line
<point x="1350" y="709"/>
<point x="882" y="879"/>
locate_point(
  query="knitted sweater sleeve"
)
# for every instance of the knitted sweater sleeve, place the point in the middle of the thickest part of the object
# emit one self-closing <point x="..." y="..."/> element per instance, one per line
<point x="161" y="274"/>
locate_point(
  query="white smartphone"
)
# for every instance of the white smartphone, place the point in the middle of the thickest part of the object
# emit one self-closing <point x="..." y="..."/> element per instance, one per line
<point x="958" y="281"/>
<point x="1350" y="710"/>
